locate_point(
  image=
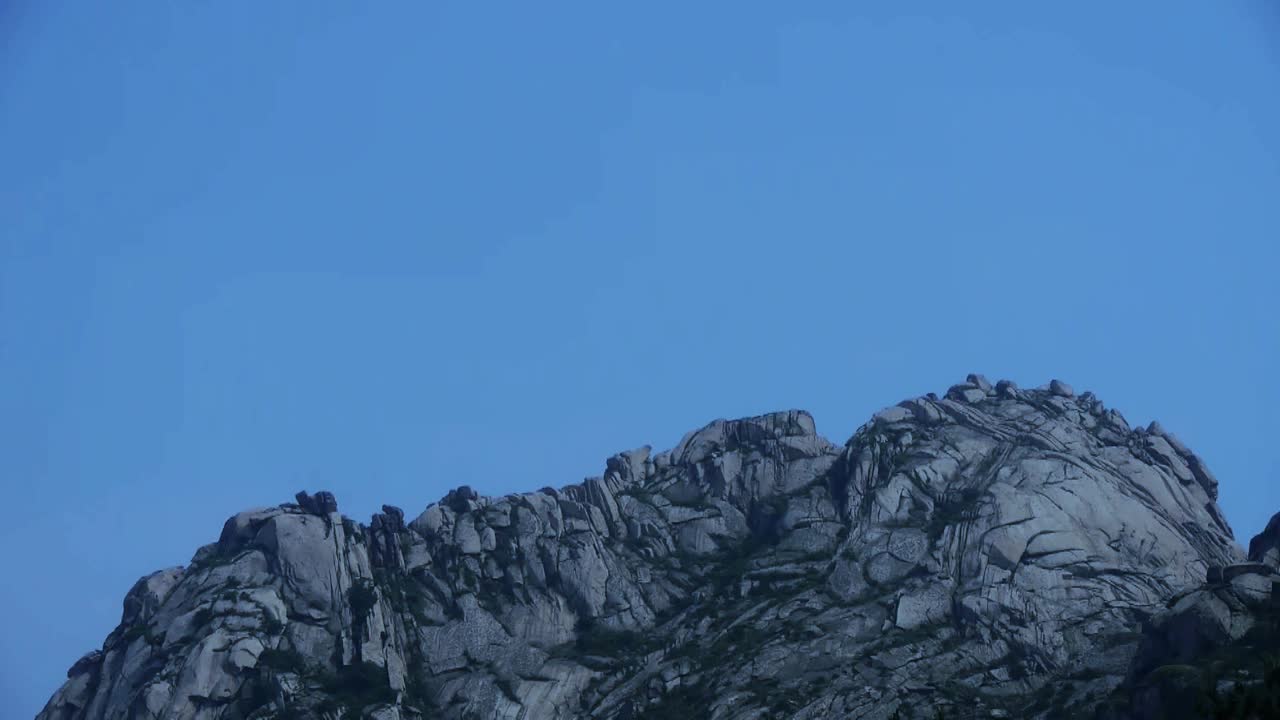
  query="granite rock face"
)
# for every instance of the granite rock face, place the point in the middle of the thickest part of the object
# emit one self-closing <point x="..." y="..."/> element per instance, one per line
<point x="1218" y="633"/>
<point x="994" y="553"/>
<point x="1265" y="547"/>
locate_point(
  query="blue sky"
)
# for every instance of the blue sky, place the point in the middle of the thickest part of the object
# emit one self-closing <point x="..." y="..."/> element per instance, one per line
<point x="388" y="249"/>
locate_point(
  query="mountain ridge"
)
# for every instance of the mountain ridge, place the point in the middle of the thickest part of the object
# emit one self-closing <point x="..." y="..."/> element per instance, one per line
<point x="958" y="554"/>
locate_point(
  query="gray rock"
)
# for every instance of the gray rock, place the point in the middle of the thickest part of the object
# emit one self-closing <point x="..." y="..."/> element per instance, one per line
<point x="1006" y="388"/>
<point x="321" y="504"/>
<point x="1265" y="546"/>
<point x="972" y="550"/>
<point x="148" y="594"/>
<point x="89" y="662"/>
<point x="1254" y="589"/>
<point x="892" y="415"/>
<point x="979" y="382"/>
<point x="1208" y="624"/>
<point x="1231" y="572"/>
<point x="1057" y="387"/>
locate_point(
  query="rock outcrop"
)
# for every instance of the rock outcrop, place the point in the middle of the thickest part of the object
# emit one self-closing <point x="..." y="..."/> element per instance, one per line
<point x="1212" y="639"/>
<point x="1265" y="547"/>
<point x="994" y="553"/>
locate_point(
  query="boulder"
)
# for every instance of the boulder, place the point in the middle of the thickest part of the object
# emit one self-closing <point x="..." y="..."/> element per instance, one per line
<point x="322" y="503"/>
<point x="980" y="382"/>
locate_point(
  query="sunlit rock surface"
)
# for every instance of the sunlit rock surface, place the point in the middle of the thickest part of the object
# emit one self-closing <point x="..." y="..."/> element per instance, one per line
<point x="995" y="550"/>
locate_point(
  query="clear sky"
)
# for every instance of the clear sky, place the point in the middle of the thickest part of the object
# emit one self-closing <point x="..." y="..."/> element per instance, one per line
<point x="390" y="248"/>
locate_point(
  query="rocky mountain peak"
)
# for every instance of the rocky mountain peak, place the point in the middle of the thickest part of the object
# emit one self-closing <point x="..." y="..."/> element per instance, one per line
<point x="993" y="550"/>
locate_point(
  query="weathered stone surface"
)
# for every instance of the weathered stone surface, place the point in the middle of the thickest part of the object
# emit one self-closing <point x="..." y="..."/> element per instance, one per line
<point x="1232" y="618"/>
<point x="966" y="552"/>
<point x="148" y="594"/>
<point x="1265" y="546"/>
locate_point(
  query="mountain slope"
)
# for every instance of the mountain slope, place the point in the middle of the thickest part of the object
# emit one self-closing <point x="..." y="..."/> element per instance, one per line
<point x="991" y="553"/>
<point x="1215" y="652"/>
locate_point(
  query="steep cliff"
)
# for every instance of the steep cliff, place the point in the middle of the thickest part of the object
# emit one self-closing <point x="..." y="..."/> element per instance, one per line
<point x="993" y="553"/>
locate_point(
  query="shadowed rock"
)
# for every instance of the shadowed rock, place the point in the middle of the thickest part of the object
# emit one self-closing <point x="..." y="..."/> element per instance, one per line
<point x="322" y="503"/>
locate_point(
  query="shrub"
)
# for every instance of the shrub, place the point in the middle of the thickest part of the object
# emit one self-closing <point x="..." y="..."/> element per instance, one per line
<point x="362" y="597"/>
<point x="358" y="686"/>
<point x="469" y="579"/>
<point x="1253" y="700"/>
<point x="685" y="702"/>
<point x="416" y="692"/>
<point x="286" y="660"/>
<point x="598" y="640"/>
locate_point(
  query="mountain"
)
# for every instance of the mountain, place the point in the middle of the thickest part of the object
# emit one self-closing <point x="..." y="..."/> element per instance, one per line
<point x="996" y="552"/>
